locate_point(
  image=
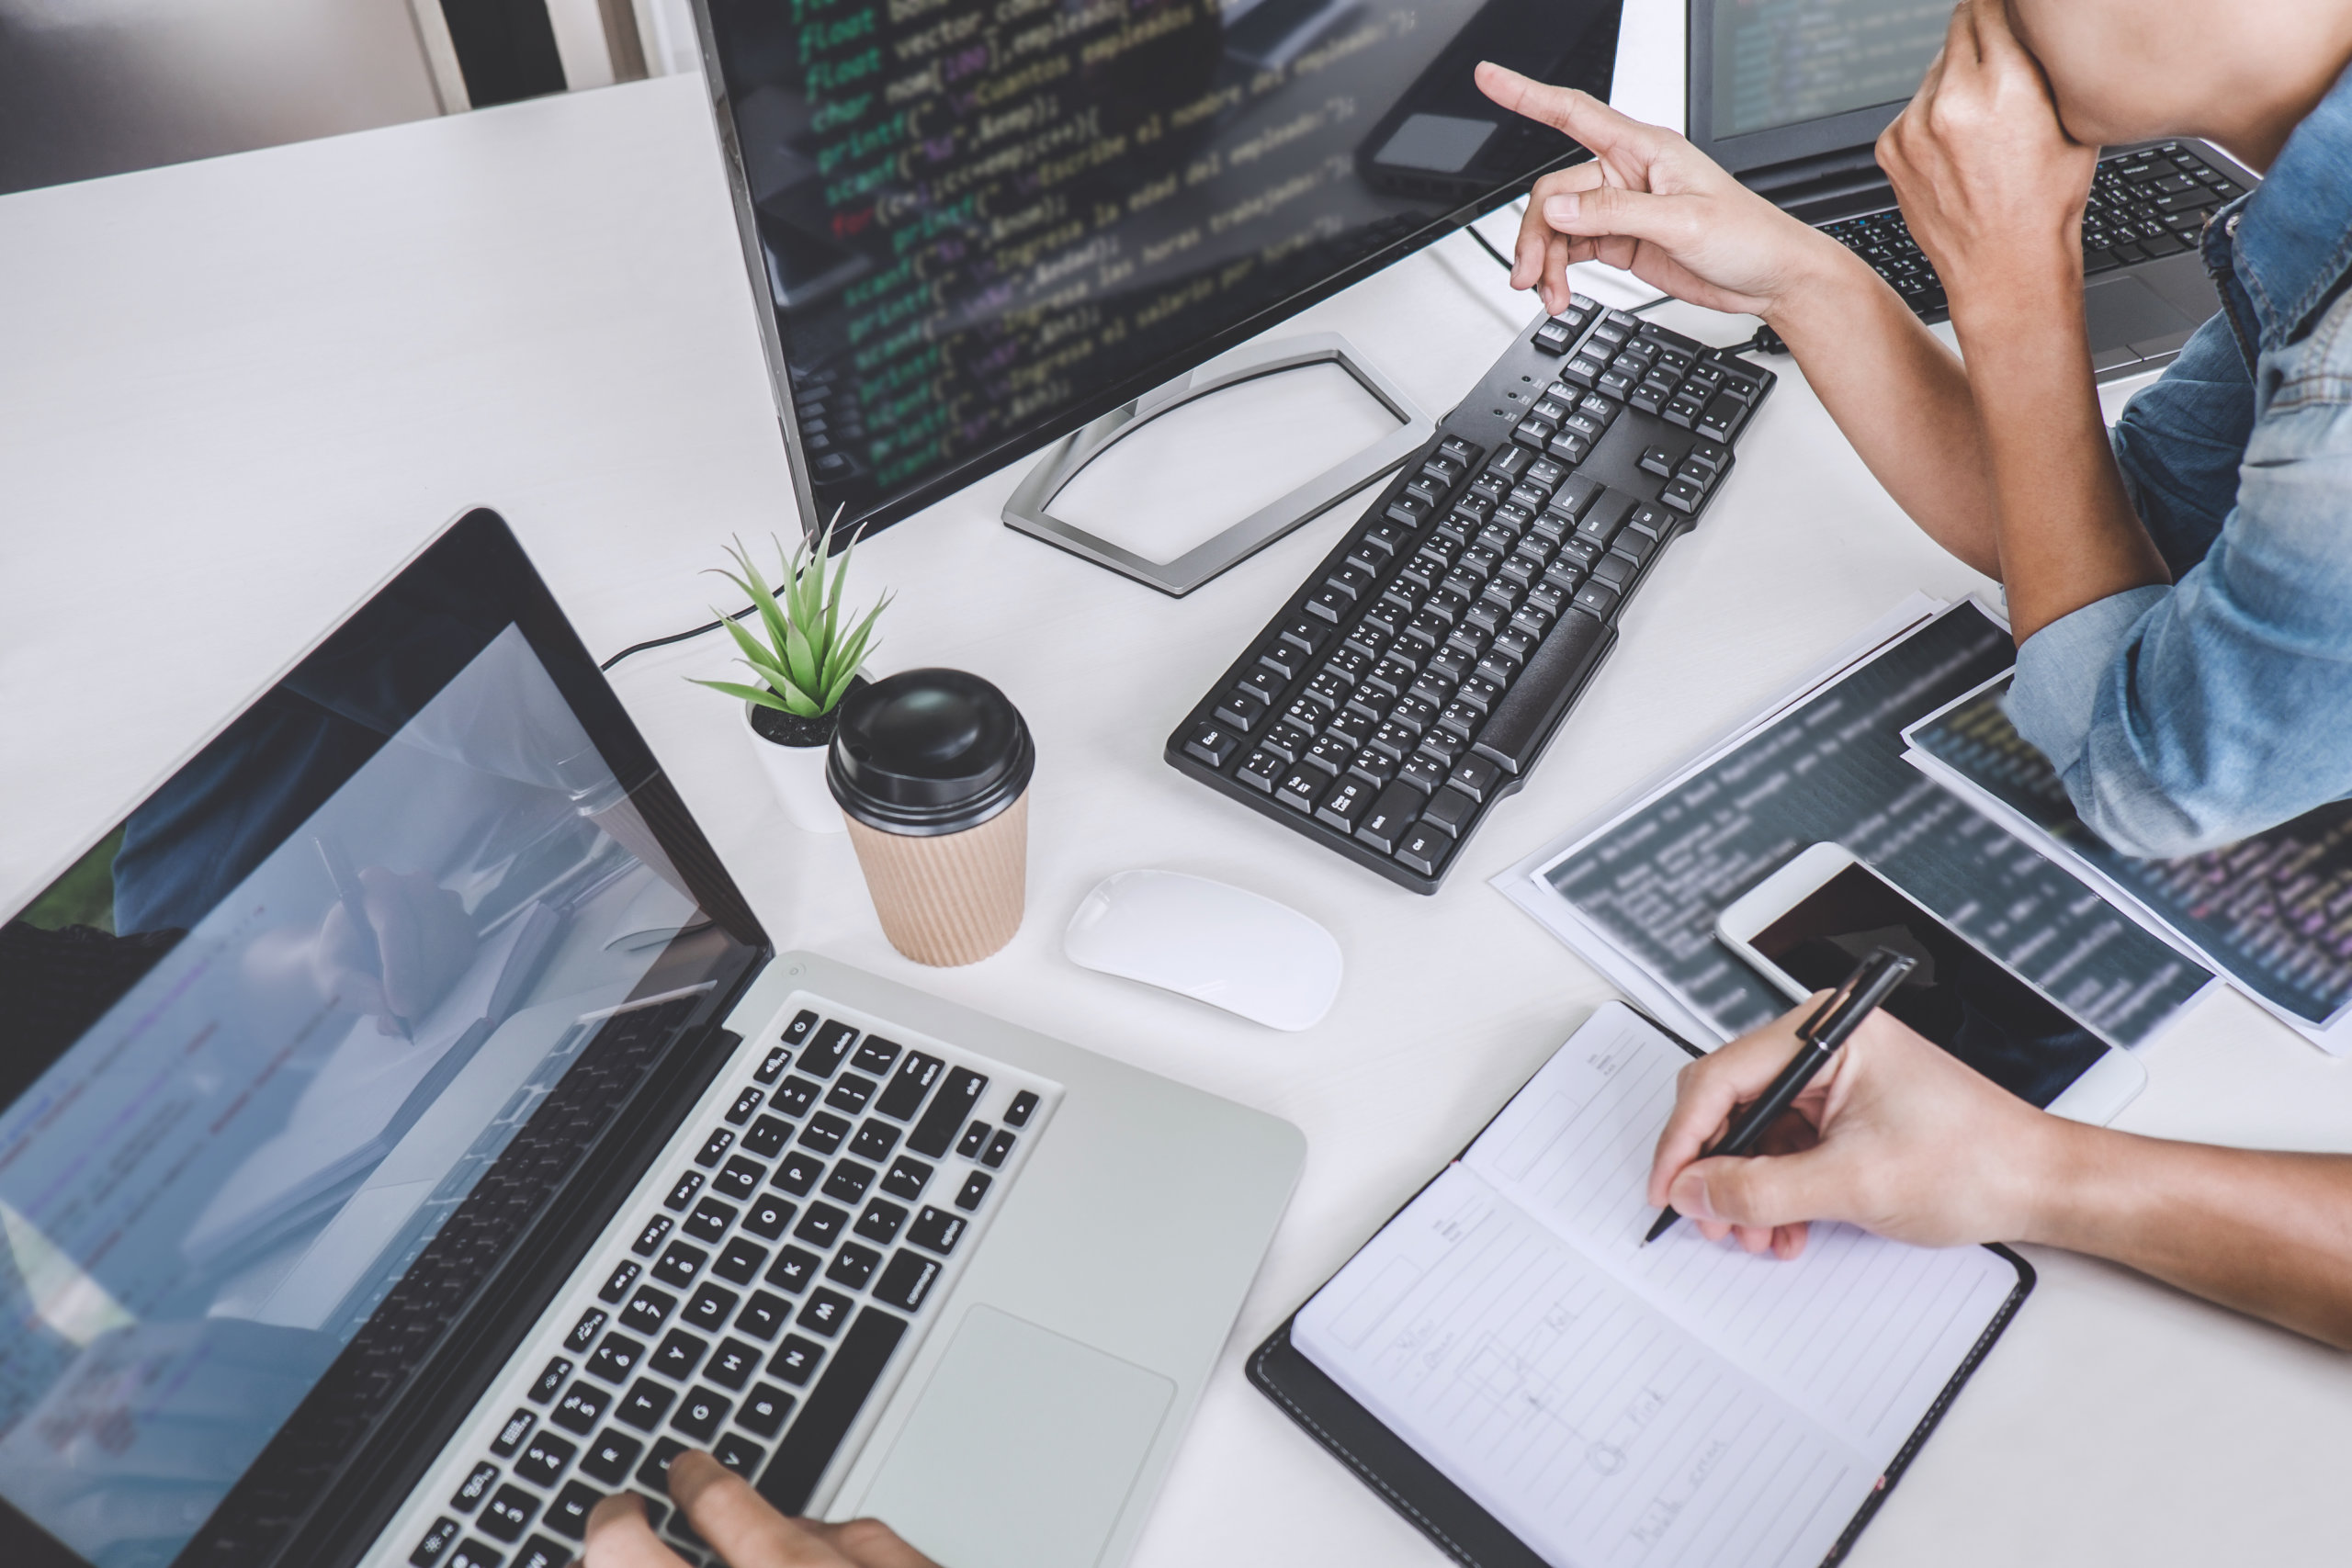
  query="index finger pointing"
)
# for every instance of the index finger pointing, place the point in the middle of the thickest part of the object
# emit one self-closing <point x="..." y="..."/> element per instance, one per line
<point x="1593" y="123"/>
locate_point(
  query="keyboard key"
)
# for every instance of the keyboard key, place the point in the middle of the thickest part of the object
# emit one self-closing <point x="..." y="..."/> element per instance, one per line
<point x="763" y="1410"/>
<point x="644" y="1405"/>
<point x="797" y="1096"/>
<point x="1597" y="599"/>
<point x="682" y="1193"/>
<point x="796" y="1359"/>
<point x="791" y="1476"/>
<point x="1344" y="807"/>
<point x="654" y="1473"/>
<point x="583" y="1406"/>
<point x="1259" y="770"/>
<point x="740" y="1260"/>
<point x="1682" y="495"/>
<point x="880" y="1222"/>
<point x="908" y="1177"/>
<point x="583" y="1333"/>
<point x="474" y="1555"/>
<point x="853" y="1266"/>
<point x="1477" y="777"/>
<point x="550" y="1379"/>
<point x="616" y="1359"/>
<point x="1722" y="419"/>
<point x="508" y="1513"/>
<point x="774" y="1064"/>
<point x="768" y="1215"/>
<point x="679" y="1355"/>
<point x="1213" y="744"/>
<point x="1423" y="851"/>
<point x="745" y="1103"/>
<point x="976" y="1187"/>
<point x="849" y="1181"/>
<point x="823" y="1313"/>
<point x="763" y="1314"/>
<point x="1544" y="691"/>
<point x="545" y="1459"/>
<point x="875" y="1055"/>
<point x="568" y="1517"/>
<point x="475" y="1487"/>
<point x="437" y="1542"/>
<point x="821" y="1225"/>
<point x="792" y="1269"/>
<point x="715" y="1145"/>
<point x="797" y="1030"/>
<point x="875" y="1141"/>
<point x="648" y="1310"/>
<point x="824" y="1132"/>
<point x="1392" y="811"/>
<point x="738" y="1454"/>
<point x="710" y="1220"/>
<point x="510" y="1436"/>
<point x="732" y="1364"/>
<point x="609" y="1456"/>
<point x="827" y="1050"/>
<point x="767" y="1136"/>
<point x="937" y="1230"/>
<point x="906" y="1282"/>
<point x="737" y="1178"/>
<point x="709" y="1307"/>
<point x="679" y="1264"/>
<point x="1302" y="787"/>
<point x="797" y="1173"/>
<point x="975" y="1138"/>
<point x="699" y="1415"/>
<point x="958" y="1093"/>
<point x="540" y="1552"/>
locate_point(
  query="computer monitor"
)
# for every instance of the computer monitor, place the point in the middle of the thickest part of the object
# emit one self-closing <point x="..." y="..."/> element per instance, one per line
<point x="981" y="224"/>
<point x="1783" y="81"/>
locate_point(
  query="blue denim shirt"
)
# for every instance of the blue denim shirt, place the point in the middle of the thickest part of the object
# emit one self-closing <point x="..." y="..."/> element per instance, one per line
<point x="2193" y="715"/>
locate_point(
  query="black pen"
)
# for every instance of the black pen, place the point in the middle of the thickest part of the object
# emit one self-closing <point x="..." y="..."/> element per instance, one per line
<point x="1872" y="981"/>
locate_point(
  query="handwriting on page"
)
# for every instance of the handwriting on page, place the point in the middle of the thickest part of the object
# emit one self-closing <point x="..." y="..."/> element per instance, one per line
<point x="1597" y="1432"/>
<point x="1860" y="1332"/>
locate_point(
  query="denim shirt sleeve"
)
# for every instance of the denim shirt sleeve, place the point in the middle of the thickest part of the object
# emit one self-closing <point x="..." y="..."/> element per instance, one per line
<point x="2187" y="718"/>
<point x="2179" y="441"/>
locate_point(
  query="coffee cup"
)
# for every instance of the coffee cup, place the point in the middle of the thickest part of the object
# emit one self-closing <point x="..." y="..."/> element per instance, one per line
<point x="932" y="768"/>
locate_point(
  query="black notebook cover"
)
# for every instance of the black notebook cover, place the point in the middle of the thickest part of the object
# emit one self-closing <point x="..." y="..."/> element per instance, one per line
<point x="1447" y="1515"/>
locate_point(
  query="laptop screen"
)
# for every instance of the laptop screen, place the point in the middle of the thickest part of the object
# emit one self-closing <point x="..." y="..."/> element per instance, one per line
<point x="300" y="1050"/>
<point x="1782" y="63"/>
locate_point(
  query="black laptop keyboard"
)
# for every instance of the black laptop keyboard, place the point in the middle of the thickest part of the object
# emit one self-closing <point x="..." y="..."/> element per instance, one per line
<point x="1415" y="677"/>
<point x="2143" y="204"/>
<point x="749" y="1304"/>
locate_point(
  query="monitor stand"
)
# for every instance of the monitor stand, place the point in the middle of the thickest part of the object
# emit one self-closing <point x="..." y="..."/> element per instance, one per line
<point x="1026" y="511"/>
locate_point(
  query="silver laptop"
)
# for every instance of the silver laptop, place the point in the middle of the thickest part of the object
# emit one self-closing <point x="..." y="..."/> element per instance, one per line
<point x="1792" y="98"/>
<point x="408" y="1137"/>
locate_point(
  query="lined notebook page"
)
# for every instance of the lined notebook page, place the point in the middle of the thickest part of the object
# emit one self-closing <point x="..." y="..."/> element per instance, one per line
<point x="1860" y="1334"/>
<point x="1680" y="1403"/>
<point x="1596" y="1430"/>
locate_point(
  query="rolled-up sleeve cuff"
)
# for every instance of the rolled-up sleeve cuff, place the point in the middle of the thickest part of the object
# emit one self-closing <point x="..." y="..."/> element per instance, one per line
<point x="2060" y="668"/>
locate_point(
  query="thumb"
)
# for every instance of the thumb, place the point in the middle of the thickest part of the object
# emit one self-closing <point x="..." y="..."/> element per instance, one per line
<point x="1605" y="211"/>
<point x="1770" y="1189"/>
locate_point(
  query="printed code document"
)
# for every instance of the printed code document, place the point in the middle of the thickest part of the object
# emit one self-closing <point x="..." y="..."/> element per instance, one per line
<point x="1613" y="1404"/>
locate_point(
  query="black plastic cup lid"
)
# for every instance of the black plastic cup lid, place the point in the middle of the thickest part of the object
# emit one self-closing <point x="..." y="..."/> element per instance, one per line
<point x="929" y="752"/>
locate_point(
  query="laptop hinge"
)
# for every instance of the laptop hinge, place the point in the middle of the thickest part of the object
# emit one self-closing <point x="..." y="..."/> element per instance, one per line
<point x="1831" y="185"/>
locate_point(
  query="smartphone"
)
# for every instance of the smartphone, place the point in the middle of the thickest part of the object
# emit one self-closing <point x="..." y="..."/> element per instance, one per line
<point x="1807" y="925"/>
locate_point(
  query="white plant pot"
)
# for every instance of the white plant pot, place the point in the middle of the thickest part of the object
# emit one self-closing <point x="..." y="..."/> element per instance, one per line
<point x="799" y="774"/>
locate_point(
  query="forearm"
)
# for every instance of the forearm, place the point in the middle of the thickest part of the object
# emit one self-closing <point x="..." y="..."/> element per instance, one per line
<point x="1899" y="395"/>
<point x="2067" y="534"/>
<point x="2266" y="1233"/>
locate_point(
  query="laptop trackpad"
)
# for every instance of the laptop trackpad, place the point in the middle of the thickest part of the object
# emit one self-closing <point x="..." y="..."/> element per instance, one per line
<point x="1022" y="1450"/>
<point x="2124" y="310"/>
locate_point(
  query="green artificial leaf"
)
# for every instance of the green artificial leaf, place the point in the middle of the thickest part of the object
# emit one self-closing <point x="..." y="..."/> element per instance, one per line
<point x="749" y="694"/>
<point x="800" y="659"/>
<point x="764" y="663"/>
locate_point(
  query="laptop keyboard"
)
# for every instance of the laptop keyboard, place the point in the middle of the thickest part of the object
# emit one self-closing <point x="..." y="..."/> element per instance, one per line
<point x="1416" y="676"/>
<point x="2143" y="204"/>
<point x="751" y="1300"/>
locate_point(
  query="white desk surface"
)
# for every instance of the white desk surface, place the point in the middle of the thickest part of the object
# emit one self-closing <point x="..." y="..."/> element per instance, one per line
<point x="234" y="395"/>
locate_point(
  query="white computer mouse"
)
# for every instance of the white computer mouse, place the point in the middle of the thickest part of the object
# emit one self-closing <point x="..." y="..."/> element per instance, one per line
<point x="1215" y="943"/>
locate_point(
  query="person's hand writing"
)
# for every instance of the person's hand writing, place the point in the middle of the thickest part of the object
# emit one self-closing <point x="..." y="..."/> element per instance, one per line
<point x="1991" y="185"/>
<point x="1892" y="1136"/>
<point x="738" y="1522"/>
<point x="1651" y="204"/>
<point x="422" y="942"/>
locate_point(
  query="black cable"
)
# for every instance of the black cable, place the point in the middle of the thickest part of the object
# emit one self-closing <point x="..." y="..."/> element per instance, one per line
<point x="674" y="636"/>
<point x="1488" y="246"/>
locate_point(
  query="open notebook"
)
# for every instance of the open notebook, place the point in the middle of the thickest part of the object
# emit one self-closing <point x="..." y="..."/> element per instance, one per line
<point x="1607" y="1404"/>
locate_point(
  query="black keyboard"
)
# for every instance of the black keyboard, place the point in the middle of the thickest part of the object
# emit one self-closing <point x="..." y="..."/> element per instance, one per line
<point x="1416" y="676"/>
<point x="750" y="1300"/>
<point x="2143" y="204"/>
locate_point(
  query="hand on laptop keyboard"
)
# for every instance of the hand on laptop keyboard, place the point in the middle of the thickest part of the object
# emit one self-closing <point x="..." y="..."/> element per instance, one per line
<point x="1991" y="185"/>
<point x="740" y="1525"/>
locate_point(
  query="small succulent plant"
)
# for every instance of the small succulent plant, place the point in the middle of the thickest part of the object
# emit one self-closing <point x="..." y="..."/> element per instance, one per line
<point x="812" y="650"/>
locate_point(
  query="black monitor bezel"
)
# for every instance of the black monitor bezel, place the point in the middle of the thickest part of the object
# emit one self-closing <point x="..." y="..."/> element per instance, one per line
<point x="988" y="460"/>
<point x="347" y="1502"/>
<point x="1852" y="131"/>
